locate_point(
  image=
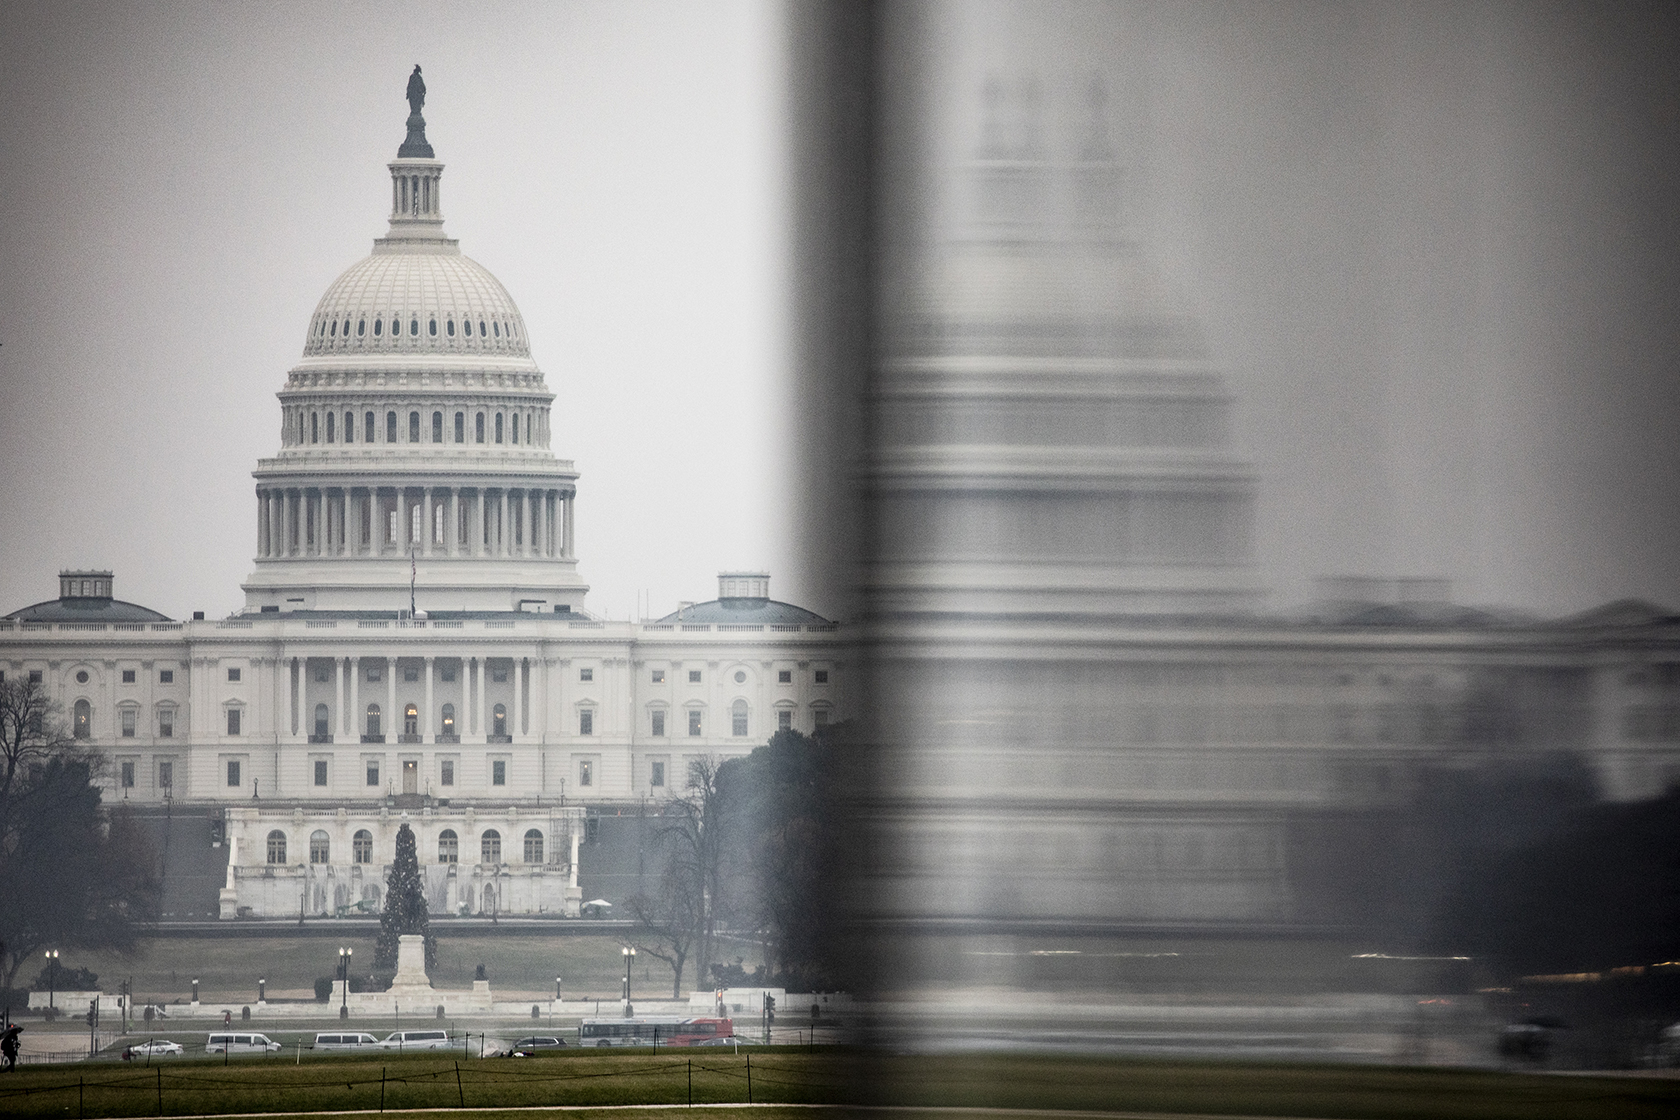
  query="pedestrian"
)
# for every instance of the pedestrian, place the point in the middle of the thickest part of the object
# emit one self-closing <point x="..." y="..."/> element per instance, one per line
<point x="9" y="1045"/>
<point x="227" y="1018"/>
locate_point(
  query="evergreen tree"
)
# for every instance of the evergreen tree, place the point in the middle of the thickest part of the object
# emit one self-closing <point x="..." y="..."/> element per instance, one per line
<point x="405" y="907"/>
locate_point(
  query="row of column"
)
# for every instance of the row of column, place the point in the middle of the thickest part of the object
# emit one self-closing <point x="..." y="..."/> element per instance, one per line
<point x="353" y="668"/>
<point x="437" y="520"/>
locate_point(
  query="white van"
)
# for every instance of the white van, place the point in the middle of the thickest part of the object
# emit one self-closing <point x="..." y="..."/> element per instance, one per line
<point x="343" y="1041"/>
<point x="228" y="1042"/>
<point x="416" y="1040"/>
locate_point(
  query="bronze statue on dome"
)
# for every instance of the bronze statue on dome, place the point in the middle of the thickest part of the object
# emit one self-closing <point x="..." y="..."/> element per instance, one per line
<point x="415" y="146"/>
<point x="416" y="90"/>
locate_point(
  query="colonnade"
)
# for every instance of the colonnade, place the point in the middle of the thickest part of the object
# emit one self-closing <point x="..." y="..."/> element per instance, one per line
<point x="349" y="673"/>
<point x="436" y="520"/>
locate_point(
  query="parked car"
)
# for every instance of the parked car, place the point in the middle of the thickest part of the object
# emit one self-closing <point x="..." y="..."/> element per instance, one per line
<point x="416" y="1040"/>
<point x="230" y="1042"/>
<point x="154" y="1048"/>
<point x="343" y="1041"/>
<point x="525" y="1047"/>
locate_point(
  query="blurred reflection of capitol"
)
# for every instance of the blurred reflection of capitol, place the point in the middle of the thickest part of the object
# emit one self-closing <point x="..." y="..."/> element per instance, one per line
<point x="1090" y="722"/>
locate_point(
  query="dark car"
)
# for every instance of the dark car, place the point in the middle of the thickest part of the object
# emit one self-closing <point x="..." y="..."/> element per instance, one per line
<point x="525" y="1047"/>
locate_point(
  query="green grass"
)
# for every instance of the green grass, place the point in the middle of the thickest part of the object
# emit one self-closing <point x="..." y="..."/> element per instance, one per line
<point x="944" y="1085"/>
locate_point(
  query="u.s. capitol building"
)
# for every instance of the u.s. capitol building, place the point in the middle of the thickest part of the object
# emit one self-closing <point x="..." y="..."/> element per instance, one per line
<point x="415" y="643"/>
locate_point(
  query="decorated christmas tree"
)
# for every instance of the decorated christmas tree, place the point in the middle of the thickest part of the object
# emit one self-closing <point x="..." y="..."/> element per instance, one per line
<point x="405" y="907"/>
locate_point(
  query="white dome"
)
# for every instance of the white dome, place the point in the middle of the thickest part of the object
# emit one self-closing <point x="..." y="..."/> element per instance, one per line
<point x="433" y="301"/>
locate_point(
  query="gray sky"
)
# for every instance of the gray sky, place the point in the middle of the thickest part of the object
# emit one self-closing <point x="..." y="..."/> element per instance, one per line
<point x="1435" y="247"/>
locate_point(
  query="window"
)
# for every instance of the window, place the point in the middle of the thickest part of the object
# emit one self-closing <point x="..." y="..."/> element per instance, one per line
<point x="320" y="847"/>
<point x="349" y="427"/>
<point x="446" y="773"/>
<point x="437" y="427"/>
<point x="373" y="772"/>
<point x="233" y="674"/>
<point x="583" y="675"/>
<point x="447" y="671"/>
<point x="460" y="427"/>
<point x="411" y="672"/>
<point x="233" y="721"/>
<point x="411" y="720"/>
<point x="276" y="843"/>
<point x="373" y="720"/>
<point x="480" y="428"/>
<point x="166" y="676"/>
<point x="784" y="676"/>
<point x="320" y="721"/>
<point x="322" y="674"/>
<point x="390" y="427"/>
<point x="659" y="676"/>
<point x="740" y="676"/>
<point x="166" y="723"/>
<point x="128" y="775"/>
<point x="34" y="676"/>
<point x="449" y="846"/>
<point x="498" y="720"/>
<point x="822" y="676"/>
<point x="414" y="326"/>
<point x="490" y="847"/>
<point x="233" y="776"/>
<point x="414" y="427"/>
<point x="586" y="773"/>
<point x="694" y="722"/>
<point x="657" y="777"/>
<point x="361" y="846"/>
<point x="586" y="722"/>
<point x="320" y="771"/>
<point x="128" y="676"/>
<point x="449" y="719"/>
<point x="82" y="677"/>
<point x="738" y="718"/>
<point x="431" y="328"/>
<point x="166" y="775"/>
<point x="314" y="427"/>
<point x="367" y="425"/>
<point x="375" y="671"/>
<point x="696" y="773"/>
<point x="513" y="433"/>
<point x="784" y="720"/>
<point x="533" y="846"/>
<point x="658" y="717"/>
<point x="694" y="676"/>
<point x="498" y="772"/>
<point x="819" y="717"/>
<point x="331" y="418"/>
<point x="128" y="716"/>
<point x="498" y="673"/>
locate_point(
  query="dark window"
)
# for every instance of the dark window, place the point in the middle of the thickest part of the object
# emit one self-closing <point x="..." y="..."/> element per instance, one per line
<point x="448" y="720"/>
<point x="361" y="327"/>
<point x="481" y="331"/>
<point x="128" y="775"/>
<point x="498" y="773"/>
<point x="658" y="715"/>
<point x="822" y="676"/>
<point x="586" y="773"/>
<point x="127" y="718"/>
<point x="320" y="771"/>
<point x="515" y="428"/>
<point x="233" y="780"/>
<point x="414" y="326"/>
<point x="361" y="846"/>
<point x="449" y="327"/>
<point x="34" y="676"/>
<point x="166" y="676"/>
<point x="448" y="772"/>
<point x="367" y="423"/>
<point x="166" y="775"/>
<point x="349" y="427"/>
<point x="586" y="722"/>
<point x="533" y="846"/>
<point x="490" y="847"/>
<point x="694" y="676"/>
<point x="372" y="773"/>
<point x="233" y="674"/>
<point x="431" y="328"/>
<point x="449" y="845"/>
<point x="657" y="778"/>
<point x="128" y="676"/>
<point x="276" y="839"/>
<point x="233" y="721"/>
<point x="658" y="676"/>
<point x="314" y="427"/>
<point x="320" y="847"/>
<point x="738" y="718"/>
<point x="460" y="427"/>
<point x="437" y="427"/>
<point x="481" y="427"/>
<point x="498" y="427"/>
<point x="784" y="720"/>
<point x="373" y="718"/>
<point x="411" y="720"/>
<point x="331" y="416"/>
<point x="414" y="427"/>
<point x="166" y="723"/>
<point x="498" y="720"/>
<point x="694" y="722"/>
<point x="784" y="676"/>
<point x="583" y="675"/>
<point x="378" y="327"/>
<point x="390" y="427"/>
<point x="819" y="717"/>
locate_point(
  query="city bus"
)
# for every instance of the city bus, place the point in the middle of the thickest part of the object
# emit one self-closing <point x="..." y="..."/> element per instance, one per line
<point x="654" y="1030"/>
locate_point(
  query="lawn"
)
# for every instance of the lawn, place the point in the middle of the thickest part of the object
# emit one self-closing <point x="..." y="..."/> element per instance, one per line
<point x="944" y="1085"/>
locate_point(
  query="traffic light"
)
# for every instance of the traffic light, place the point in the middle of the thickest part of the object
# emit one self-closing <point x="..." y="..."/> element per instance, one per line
<point x="770" y="1008"/>
<point x="93" y="1011"/>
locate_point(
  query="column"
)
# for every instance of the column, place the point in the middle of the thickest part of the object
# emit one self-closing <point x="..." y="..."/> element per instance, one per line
<point x="357" y="727"/>
<point x="542" y="523"/>
<point x="390" y="724"/>
<point x="504" y="538"/>
<point x="516" y="725"/>
<point x="566" y="529"/>
<point x="573" y="881"/>
<point x="299" y="669"/>
<point x="319" y="519"/>
<point x="429" y="731"/>
<point x="483" y="728"/>
<point x="475" y="527"/>
<point x="452" y="535"/>
<point x="428" y="527"/>
<point x="262" y="523"/>
<point x="338" y="694"/>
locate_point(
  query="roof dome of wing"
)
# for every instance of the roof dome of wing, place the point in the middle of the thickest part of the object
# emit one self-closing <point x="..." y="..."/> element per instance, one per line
<point x="408" y="303"/>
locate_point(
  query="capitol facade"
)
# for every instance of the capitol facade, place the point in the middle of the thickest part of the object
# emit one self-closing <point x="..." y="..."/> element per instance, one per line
<point x="415" y="643"/>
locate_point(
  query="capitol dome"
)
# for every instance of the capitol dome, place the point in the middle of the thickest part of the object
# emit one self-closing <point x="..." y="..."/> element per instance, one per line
<point x="432" y="301"/>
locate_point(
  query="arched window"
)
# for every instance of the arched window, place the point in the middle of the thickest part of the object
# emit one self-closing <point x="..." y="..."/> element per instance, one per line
<point x="320" y="721"/>
<point x="498" y="427"/>
<point x="349" y="427"/>
<point x="490" y="847"/>
<point x="431" y="328"/>
<point x="361" y="846"/>
<point x="320" y="847"/>
<point x="333" y="333"/>
<point x="482" y="333"/>
<point x="498" y="720"/>
<point x="414" y="427"/>
<point x="277" y="847"/>
<point x="314" y="427"/>
<point x="460" y="427"/>
<point x="449" y="327"/>
<point x="330" y="417"/>
<point x="361" y="327"/>
<point x="533" y="846"/>
<point x="367" y="436"/>
<point x="390" y="427"/>
<point x="378" y="327"/>
<point x="738" y="718"/>
<point x="81" y="719"/>
<point x="449" y="719"/>
<point x="489" y="898"/>
<point x="437" y="427"/>
<point x="373" y="719"/>
<point x="411" y="720"/>
<point x="514" y="434"/>
<point x="449" y="847"/>
<point x="414" y="326"/>
<point x="481" y="427"/>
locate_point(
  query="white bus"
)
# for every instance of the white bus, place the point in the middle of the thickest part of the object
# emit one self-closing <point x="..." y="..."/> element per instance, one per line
<point x="653" y="1030"/>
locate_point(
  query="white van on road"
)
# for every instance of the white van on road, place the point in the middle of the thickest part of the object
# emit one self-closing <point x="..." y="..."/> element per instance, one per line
<point x="416" y="1040"/>
<point x="343" y="1041"/>
<point x="230" y="1042"/>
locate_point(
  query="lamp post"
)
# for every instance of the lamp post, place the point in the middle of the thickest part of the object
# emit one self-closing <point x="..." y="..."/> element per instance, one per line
<point x="52" y="978"/>
<point x="344" y="975"/>
<point x="195" y="991"/>
<point x="629" y="959"/>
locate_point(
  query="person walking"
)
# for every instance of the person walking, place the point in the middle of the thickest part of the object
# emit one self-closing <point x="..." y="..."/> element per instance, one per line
<point x="9" y="1045"/>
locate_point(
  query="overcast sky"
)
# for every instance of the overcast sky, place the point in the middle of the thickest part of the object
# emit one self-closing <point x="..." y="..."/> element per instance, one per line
<point x="1435" y="248"/>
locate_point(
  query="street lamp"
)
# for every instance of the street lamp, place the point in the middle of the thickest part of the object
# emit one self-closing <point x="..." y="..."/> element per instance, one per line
<point x="52" y="977"/>
<point x="344" y="975"/>
<point x="629" y="959"/>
